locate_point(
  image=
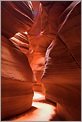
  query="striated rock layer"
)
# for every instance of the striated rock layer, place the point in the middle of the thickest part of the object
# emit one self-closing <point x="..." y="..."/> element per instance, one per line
<point x="62" y="74"/>
<point x="16" y="81"/>
<point x="20" y="40"/>
<point x="16" y="16"/>
<point x="16" y="73"/>
<point x="49" y="12"/>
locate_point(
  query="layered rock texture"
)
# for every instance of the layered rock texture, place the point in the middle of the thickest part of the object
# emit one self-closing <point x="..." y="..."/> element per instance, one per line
<point x="16" y="73"/>
<point x="20" y="40"/>
<point x="61" y="77"/>
<point x="41" y="46"/>
<point x="48" y="14"/>
<point x="15" y="17"/>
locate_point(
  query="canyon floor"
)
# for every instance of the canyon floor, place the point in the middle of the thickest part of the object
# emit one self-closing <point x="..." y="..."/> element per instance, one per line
<point x="41" y="110"/>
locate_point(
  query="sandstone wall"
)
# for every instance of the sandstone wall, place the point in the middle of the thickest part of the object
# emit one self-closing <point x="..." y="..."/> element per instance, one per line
<point x="16" y="73"/>
<point x="16" y="81"/>
<point x="15" y="17"/>
<point x="48" y="15"/>
<point x="62" y="74"/>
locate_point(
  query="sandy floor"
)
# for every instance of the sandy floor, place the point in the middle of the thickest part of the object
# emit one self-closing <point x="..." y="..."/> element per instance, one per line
<point x="41" y="110"/>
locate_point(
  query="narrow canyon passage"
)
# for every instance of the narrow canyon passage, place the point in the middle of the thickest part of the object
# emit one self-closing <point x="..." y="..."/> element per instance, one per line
<point x="41" y="60"/>
<point x="41" y="110"/>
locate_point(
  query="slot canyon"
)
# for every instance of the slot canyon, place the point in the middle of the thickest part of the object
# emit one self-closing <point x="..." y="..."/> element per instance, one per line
<point x="41" y="60"/>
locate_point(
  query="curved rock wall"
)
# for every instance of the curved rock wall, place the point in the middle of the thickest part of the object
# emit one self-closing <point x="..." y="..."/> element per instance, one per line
<point x="21" y="41"/>
<point x="16" y="82"/>
<point x="55" y="31"/>
<point x="16" y="16"/>
<point x="51" y="11"/>
<point x="16" y="73"/>
<point x="48" y="15"/>
<point x="61" y="77"/>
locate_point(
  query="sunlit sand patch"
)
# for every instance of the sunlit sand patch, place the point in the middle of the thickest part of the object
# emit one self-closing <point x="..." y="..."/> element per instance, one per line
<point x="41" y="110"/>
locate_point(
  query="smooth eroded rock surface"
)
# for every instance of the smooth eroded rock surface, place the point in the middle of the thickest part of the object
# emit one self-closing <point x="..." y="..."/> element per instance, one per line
<point x="16" y="82"/>
<point x="16" y="16"/>
<point x="62" y="74"/>
<point x="48" y="15"/>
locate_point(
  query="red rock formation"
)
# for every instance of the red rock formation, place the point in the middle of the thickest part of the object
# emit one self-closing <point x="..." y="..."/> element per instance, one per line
<point x="15" y="17"/>
<point x="36" y="27"/>
<point x="48" y="15"/>
<point x="21" y="41"/>
<point x="51" y="11"/>
<point x="55" y="31"/>
<point x="17" y="81"/>
<point x="16" y="73"/>
<point x="62" y="78"/>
